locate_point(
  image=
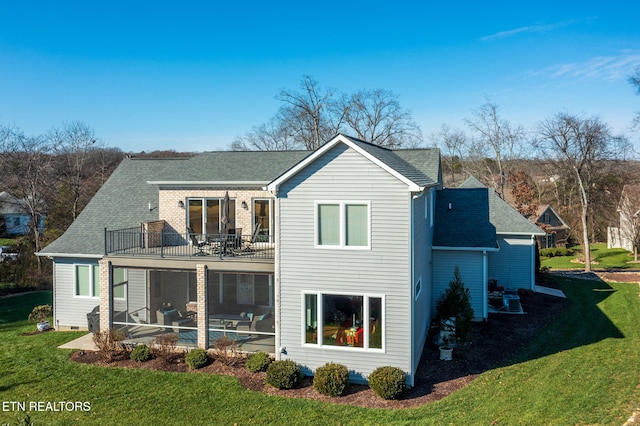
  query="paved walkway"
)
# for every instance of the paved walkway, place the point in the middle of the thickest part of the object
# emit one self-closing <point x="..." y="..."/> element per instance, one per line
<point x="84" y="343"/>
<point x="549" y="291"/>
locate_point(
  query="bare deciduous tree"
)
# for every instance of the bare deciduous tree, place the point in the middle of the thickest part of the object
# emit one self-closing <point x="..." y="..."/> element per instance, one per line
<point x="453" y="145"/>
<point x="495" y="143"/>
<point x="26" y="165"/>
<point x="312" y="116"/>
<point x="580" y="145"/>
<point x="377" y="117"/>
<point x="308" y="114"/>
<point x="76" y="146"/>
<point x="271" y="136"/>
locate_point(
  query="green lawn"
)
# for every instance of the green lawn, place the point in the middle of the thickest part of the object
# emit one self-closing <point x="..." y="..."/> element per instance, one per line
<point x="7" y="241"/>
<point x="583" y="369"/>
<point x="606" y="258"/>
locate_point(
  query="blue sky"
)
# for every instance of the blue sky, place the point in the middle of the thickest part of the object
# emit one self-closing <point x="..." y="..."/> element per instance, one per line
<point x="191" y="76"/>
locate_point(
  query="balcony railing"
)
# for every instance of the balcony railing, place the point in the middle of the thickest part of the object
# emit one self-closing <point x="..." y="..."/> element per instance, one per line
<point x="134" y="242"/>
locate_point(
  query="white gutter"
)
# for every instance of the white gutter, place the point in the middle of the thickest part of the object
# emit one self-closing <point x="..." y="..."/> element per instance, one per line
<point x="78" y="255"/>
<point x="229" y="183"/>
<point x="445" y="248"/>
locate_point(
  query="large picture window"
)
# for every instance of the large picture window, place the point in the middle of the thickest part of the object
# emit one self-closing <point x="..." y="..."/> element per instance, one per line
<point x="341" y="320"/>
<point x="343" y="224"/>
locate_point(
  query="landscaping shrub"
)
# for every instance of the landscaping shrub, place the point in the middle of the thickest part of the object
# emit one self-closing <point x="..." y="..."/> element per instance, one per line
<point x="283" y="374"/>
<point x="164" y="346"/>
<point x="387" y="382"/>
<point x="40" y="313"/>
<point x="140" y="353"/>
<point x="109" y="345"/>
<point x="258" y="361"/>
<point x="331" y="379"/>
<point x="196" y="358"/>
<point x="456" y="302"/>
<point x="227" y="351"/>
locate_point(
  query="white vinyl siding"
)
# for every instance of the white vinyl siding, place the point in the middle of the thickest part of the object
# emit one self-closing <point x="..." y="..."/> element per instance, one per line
<point x="471" y="266"/>
<point x="70" y="310"/>
<point x="342" y="176"/>
<point x="513" y="265"/>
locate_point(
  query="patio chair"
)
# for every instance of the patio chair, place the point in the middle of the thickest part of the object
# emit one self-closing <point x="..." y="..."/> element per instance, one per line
<point x="248" y="246"/>
<point x="199" y="245"/>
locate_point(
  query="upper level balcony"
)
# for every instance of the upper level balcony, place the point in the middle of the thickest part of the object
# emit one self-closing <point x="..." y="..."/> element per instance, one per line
<point x="155" y="241"/>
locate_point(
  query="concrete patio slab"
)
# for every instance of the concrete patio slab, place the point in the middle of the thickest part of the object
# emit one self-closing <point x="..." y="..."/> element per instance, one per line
<point x="84" y="343"/>
<point x="549" y="291"/>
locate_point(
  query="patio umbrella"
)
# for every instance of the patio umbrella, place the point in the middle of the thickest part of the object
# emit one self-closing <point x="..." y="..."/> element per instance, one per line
<point x="224" y="220"/>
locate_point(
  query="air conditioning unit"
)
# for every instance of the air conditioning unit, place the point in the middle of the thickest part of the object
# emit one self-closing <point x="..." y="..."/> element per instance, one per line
<point x="511" y="303"/>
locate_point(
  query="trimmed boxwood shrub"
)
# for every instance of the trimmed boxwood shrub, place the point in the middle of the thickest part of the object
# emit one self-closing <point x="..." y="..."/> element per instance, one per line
<point x="196" y="358"/>
<point x="140" y="353"/>
<point x="283" y="374"/>
<point x="387" y="382"/>
<point x="258" y="361"/>
<point x="331" y="379"/>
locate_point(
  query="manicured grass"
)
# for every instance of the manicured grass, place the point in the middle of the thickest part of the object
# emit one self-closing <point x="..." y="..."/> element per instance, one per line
<point x="7" y="241"/>
<point x="606" y="258"/>
<point x="582" y="369"/>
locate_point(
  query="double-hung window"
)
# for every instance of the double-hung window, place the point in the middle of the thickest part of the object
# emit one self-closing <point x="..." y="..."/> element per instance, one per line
<point x="87" y="281"/>
<point x="343" y="320"/>
<point x="343" y="224"/>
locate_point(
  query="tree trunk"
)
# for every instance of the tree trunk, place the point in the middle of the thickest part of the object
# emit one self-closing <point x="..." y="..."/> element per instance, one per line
<point x="586" y="248"/>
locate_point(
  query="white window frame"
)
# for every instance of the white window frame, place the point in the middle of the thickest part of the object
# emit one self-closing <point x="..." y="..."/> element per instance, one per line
<point x="366" y="315"/>
<point x="124" y="284"/>
<point x="342" y="245"/>
<point x="91" y="282"/>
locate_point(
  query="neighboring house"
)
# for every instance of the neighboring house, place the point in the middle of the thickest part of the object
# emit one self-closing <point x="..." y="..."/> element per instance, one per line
<point x="628" y="210"/>
<point x="15" y="220"/>
<point x="334" y="255"/>
<point x="555" y="229"/>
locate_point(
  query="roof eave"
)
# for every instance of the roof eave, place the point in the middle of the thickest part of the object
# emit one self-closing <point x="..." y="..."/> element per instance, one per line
<point x="210" y="183"/>
<point x="449" y="248"/>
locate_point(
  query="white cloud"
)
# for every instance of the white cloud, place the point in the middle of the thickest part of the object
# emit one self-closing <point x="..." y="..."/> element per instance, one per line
<point x="527" y="29"/>
<point x="598" y="68"/>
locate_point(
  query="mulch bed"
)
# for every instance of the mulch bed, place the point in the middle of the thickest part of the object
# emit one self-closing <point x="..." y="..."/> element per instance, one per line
<point x="492" y="344"/>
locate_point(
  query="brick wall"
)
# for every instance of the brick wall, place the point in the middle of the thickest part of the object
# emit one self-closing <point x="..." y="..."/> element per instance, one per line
<point x="176" y="217"/>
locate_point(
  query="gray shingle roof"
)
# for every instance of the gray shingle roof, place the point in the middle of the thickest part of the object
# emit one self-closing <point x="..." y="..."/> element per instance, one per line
<point x="421" y="166"/>
<point x="505" y="218"/>
<point x="123" y="200"/>
<point x="467" y="223"/>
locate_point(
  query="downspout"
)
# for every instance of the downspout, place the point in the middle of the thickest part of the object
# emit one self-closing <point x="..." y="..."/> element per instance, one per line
<point x="533" y="262"/>
<point x="413" y="289"/>
<point x="276" y="281"/>
<point x="485" y="285"/>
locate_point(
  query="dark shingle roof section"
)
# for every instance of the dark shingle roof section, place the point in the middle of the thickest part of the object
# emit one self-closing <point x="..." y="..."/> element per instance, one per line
<point x="466" y="223"/>
<point x="421" y="166"/>
<point x="505" y="218"/>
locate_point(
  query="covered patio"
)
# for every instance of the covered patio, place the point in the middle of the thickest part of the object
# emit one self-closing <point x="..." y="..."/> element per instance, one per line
<point x="200" y="305"/>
